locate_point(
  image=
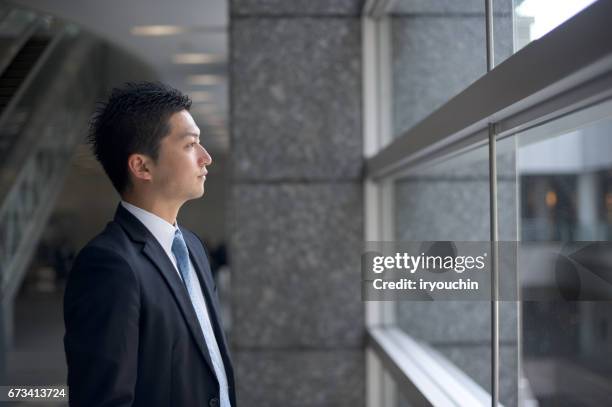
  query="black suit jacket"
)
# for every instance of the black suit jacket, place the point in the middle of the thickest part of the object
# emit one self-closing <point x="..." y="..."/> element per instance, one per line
<point x="132" y="335"/>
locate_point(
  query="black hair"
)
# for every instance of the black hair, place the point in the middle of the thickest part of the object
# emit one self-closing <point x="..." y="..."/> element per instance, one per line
<point x="133" y="120"/>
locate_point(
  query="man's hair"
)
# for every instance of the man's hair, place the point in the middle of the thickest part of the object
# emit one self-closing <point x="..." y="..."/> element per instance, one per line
<point x="133" y="120"/>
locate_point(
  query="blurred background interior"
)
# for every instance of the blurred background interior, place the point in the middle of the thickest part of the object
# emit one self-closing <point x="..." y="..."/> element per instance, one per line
<point x="349" y="120"/>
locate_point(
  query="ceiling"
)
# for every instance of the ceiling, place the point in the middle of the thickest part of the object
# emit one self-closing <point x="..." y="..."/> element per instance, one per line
<point x="202" y="29"/>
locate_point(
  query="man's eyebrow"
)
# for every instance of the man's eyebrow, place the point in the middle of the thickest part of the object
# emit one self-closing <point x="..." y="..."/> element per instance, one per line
<point x="190" y="134"/>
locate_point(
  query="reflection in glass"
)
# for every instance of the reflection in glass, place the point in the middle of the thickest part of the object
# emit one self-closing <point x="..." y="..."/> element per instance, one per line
<point x="532" y="19"/>
<point x="564" y="191"/>
<point x="542" y="16"/>
<point x="434" y="55"/>
<point x="449" y="200"/>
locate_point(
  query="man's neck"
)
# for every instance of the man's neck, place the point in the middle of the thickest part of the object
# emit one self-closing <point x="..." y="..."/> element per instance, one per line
<point x="166" y="211"/>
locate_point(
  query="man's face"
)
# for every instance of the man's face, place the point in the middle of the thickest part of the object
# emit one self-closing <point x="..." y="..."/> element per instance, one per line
<point x="180" y="171"/>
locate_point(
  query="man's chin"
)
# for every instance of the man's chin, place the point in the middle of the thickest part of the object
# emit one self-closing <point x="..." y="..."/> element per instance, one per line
<point x="196" y="194"/>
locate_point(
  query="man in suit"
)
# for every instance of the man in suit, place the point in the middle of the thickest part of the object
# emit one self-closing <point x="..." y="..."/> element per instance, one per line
<point x="140" y="307"/>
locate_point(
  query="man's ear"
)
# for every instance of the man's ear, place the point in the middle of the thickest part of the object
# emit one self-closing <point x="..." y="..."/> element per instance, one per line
<point x="139" y="166"/>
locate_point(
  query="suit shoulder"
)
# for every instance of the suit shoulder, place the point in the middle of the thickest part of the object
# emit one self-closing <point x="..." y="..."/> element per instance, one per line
<point x="112" y="239"/>
<point x="104" y="259"/>
<point x="188" y="234"/>
<point x="191" y="235"/>
<point x="110" y="248"/>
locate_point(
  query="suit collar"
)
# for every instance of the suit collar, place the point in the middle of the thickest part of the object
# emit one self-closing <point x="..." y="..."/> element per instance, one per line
<point x="132" y="226"/>
<point x="160" y="228"/>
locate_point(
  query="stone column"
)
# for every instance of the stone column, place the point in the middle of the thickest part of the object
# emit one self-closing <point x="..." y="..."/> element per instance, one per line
<point x="296" y="216"/>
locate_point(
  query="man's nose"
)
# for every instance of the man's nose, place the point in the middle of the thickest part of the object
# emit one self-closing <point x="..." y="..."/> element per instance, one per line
<point x="205" y="159"/>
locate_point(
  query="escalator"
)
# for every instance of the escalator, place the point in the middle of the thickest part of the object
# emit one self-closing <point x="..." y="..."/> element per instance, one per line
<point x="49" y="81"/>
<point x="14" y="75"/>
<point x="11" y="81"/>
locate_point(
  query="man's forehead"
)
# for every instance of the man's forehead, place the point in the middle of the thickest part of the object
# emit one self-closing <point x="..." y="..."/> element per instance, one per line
<point x="182" y="125"/>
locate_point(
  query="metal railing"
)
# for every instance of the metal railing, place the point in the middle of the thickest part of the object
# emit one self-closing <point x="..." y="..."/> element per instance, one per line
<point x="16" y="27"/>
<point x="53" y="107"/>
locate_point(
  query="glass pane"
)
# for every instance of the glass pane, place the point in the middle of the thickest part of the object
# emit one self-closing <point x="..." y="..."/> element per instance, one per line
<point x="532" y="19"/>
<point x="563" y="197"/>
<point x="449" y="200"/>
<point x="507" y="207"/>
<point x="437" y="49"/>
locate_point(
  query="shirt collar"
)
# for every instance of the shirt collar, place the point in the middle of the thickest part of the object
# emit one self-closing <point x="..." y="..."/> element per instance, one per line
<point x="159" y="228"/>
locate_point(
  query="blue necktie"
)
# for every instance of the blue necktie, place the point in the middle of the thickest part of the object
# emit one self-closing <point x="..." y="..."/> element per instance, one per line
<point x="190" y="278"/>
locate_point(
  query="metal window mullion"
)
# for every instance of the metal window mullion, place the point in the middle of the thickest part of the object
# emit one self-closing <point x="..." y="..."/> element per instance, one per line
<point x="371" y="145"/>
<point x="370" y="96"/>
<point x="377" y="8"/>
<point x="494" y="236"/>
<point x="385" y="96"/>
<point x="380" y="389"/>
<point x="378" y="196"/>
<point x="385" y="82"/>
<point x="494" y="267"/>
<point x="387" y="215"/>
<point x="374" y="379"/>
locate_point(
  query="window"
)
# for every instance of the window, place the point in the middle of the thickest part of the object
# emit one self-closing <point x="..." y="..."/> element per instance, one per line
<point x="535" y="18"/>
<point x="514" y="154"/>
<point x="563" y="174"/>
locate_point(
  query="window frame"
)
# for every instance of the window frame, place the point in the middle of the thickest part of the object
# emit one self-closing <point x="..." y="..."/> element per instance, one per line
<point x="498" y="105"/>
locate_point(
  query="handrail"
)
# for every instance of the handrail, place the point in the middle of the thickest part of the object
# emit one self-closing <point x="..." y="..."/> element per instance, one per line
<point x="27" y="194"/>
<point x="6" y="179"/>
<point x="18" y="43"/>
<point x="40" y="63"/>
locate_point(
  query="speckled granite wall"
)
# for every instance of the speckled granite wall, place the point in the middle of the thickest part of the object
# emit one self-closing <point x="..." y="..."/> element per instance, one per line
<point x="295" y="8"/>
<point x="438" y="50"/>
<point x="296" y="216"/>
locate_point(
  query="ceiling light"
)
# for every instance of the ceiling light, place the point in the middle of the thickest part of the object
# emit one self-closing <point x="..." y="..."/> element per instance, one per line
<point x="157" y="30"/>
<point x="197" y="58"/>
<point x="204" y="79"/>
<point x="214" y="122"/>
<point x="205" y="109"/>
<point x="200" y="96"/>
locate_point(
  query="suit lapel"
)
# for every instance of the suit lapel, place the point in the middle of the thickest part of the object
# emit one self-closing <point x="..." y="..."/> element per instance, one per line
<point x="167" y="270"/>
<point x="164" y="266"/>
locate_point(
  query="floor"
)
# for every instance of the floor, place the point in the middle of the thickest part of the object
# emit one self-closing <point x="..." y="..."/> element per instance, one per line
<point x="37" y="355"/>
